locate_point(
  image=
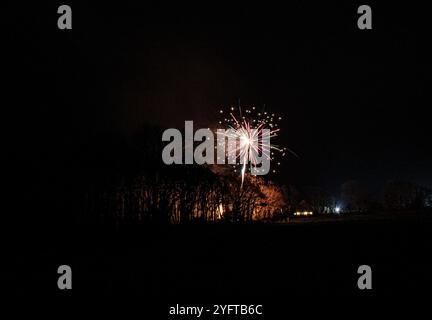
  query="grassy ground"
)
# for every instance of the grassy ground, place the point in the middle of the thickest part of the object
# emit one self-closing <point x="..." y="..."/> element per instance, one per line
<point x="255" y="260"/>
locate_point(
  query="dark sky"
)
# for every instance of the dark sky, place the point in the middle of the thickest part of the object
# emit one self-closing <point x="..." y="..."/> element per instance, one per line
<point x="354" y="102"/>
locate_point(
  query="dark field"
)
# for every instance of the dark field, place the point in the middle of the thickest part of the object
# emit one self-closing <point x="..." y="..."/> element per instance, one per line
<point x="207" y="262"/>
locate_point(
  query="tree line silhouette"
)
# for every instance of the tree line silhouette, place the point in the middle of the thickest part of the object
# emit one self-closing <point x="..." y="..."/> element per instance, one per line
<point x="135" y="185"/>
<point x="128" y="182"/>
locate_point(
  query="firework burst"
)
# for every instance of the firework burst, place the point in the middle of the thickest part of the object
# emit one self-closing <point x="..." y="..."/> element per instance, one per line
<point x="251" y="129"/>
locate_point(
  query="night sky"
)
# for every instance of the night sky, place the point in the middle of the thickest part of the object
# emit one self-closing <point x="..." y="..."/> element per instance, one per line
<point x="355" y="106"/>
<point x="354" y="102"/>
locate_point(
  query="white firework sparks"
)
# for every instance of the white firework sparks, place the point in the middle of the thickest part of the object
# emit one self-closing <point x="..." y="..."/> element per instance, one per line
<point x="248" y="129"/>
